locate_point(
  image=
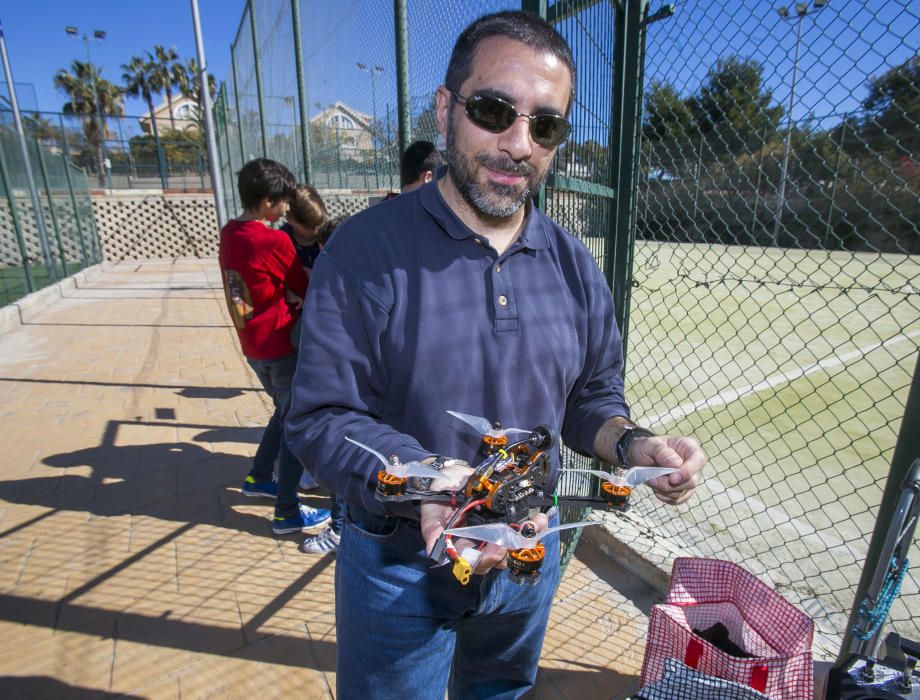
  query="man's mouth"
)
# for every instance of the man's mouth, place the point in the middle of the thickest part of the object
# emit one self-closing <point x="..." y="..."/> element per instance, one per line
<point x="505" y="178"/>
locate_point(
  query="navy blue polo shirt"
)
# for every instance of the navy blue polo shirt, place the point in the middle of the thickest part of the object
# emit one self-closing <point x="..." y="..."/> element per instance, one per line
<point x="413" y="314"/>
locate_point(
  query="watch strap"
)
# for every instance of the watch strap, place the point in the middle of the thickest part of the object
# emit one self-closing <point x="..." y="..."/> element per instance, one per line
<point x="630" y="433"/>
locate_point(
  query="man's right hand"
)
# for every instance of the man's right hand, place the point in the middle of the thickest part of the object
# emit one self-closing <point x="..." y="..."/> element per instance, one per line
<point x="434" y="518"/>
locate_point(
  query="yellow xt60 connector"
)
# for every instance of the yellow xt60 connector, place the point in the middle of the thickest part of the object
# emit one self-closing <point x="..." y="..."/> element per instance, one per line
<point x="462" y="570"/>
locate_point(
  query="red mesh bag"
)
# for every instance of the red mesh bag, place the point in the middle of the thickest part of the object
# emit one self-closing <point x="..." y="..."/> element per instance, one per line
<point x="758" y="619"/>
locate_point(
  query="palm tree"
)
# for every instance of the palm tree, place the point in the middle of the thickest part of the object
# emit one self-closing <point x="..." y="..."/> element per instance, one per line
<point x="140" y="81"/>
<point x="191" y="88"/>
<point x="89" y="95"/>
<point x="163" y="60"/>
<point x="41" y="129"/>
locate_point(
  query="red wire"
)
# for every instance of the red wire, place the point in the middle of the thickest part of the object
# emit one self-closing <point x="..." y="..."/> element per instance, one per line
<point x="448" y="541"/>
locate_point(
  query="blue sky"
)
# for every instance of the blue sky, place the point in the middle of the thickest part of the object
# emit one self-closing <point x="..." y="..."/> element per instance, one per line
<point x="38" y="46"/>
<point x="843" y="45"/>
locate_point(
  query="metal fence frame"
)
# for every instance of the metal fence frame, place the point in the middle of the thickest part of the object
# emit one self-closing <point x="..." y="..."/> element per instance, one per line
<point x="618" y="191"/>
<point x="29" y="260"/>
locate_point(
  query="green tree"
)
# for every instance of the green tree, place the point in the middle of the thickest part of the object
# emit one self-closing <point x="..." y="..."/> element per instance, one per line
<point x="892" y="125"/>
<point x="190" y="86"/>
<point x="667" y="115"/>
<point x="139" y="81"/>
<point x="734" y="111"/>
<point x="163" y="61"/>
<point x="89" y="94"/>
<point x="41" y="129"/>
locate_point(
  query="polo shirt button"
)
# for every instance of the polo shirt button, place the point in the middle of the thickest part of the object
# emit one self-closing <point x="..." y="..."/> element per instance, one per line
<point x="498" y="268"/>
<point x="503" y="300"/>
<point x="477" y="241"/>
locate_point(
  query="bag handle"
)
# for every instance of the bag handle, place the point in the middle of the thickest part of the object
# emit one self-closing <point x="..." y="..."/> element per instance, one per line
<point x="695" y="651"/>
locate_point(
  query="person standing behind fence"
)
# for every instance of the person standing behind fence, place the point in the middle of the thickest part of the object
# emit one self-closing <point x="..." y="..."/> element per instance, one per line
<point x="259" y="269"/>
<point x="417" y="166"/>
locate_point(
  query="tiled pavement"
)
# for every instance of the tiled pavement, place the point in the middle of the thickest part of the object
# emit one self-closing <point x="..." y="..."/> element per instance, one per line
<point x="129" y="562"/>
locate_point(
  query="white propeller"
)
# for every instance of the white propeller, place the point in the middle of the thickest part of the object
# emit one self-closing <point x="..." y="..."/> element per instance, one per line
<point x="506" y="536"/>
<point x="632" y="478"/>
<point x="484" y="427"/>
<point x="402" y="470"/>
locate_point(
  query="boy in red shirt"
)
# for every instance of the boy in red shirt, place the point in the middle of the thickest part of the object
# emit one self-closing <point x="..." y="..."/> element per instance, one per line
<point x="260" y="272"/>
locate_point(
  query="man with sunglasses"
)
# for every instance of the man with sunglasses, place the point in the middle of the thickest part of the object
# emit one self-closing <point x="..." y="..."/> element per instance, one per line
<point x="461" y="296"/>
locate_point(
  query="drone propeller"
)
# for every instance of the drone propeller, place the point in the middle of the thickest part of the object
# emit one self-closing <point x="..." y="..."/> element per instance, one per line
<point x="631" y="479"/>
<point x="506" y="536"/>
<point x="401" y="470"/>
<point x="485" y="427"/>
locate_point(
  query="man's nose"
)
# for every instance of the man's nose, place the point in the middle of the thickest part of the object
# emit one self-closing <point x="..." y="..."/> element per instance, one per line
<point x="515" y="140"/>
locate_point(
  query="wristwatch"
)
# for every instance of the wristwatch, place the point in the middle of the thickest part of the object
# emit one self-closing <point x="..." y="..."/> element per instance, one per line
<point x="630" y="433"/>
<point x="422" y="483"/>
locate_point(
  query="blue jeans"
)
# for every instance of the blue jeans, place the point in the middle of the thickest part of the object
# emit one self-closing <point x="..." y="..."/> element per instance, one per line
<point x="407" y="630"/>
<point x="337" y="513"/>
<point x="277" y="376"/>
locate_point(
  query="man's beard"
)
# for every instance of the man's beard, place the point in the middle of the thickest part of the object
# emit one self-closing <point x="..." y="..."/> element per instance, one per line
<point x="492" y="199"/>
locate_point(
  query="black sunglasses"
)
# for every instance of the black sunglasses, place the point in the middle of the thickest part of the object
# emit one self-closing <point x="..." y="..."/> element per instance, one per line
<point x="496" y="115"/>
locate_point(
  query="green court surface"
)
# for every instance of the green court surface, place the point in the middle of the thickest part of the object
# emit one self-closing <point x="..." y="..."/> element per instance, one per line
<point x="792" y="368"/>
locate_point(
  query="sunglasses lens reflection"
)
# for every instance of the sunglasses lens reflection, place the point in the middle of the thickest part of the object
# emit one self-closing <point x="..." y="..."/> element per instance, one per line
<point x="496" y="115"/>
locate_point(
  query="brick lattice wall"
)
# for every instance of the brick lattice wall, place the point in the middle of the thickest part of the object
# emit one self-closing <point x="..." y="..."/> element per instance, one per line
<point x="138" y="225"/>
<point x="67" y="238"/>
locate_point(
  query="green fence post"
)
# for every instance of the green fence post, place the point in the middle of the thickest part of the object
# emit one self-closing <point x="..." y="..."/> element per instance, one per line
<point x="630" y="20"/>
<point x="8" y="187"/>
<point x="76" y="210"/>
<point x="402" y="75"/>
<point x="906" y="450"/>
<point x="537" y="7"/>
<point x="94" y="239"/>
<point x="301" y="93"/>
<point x="257" y="69"/>
<point x="54" y="219"/>
<point x="830" y="206"/>
<point x="239" y="114"/>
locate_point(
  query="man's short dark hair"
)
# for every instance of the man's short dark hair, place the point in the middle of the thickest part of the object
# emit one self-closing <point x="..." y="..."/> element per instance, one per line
<point x="520" y="25"/>
<point x="261" y="178"/>
<point x="420" y="157"/>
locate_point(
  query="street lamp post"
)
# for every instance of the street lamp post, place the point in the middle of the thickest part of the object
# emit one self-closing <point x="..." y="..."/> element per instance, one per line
<point x="374" y="71"/>
<point x="98" y="35"/>
<point x="801" y="10"/>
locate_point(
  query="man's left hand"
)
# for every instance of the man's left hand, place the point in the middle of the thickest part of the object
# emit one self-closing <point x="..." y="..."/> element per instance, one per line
<point x="682" y="453"/>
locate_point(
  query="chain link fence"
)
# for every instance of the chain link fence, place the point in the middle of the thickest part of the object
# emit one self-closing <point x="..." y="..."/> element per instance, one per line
<point x="37" y="250"/>
<point x="775" y="299"/>
<point x="129" y="157"/>
<point x="770" y="300"/>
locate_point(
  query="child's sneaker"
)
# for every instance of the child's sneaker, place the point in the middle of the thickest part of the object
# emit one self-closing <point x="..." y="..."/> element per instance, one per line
<point x="325" y="542"/>
<point x="306" y="482"/>
<point x="305" y="518"/>
<point x="259" y="489"/>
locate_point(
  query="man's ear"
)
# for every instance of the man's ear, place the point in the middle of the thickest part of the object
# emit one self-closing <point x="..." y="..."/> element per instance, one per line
<point x="427" y="177"/>
<point x="442" y="102"/>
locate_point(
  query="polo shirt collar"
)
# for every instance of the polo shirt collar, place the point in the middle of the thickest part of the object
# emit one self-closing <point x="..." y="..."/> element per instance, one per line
<point x="533" y="236"/>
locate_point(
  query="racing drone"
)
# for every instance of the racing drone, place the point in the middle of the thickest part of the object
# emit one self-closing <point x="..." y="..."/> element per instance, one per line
<point x="499" y="497"/>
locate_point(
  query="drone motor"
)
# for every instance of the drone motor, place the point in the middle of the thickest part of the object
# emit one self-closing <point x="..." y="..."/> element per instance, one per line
<point x="615" y="495"/>
<point x="389" y="484"/>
